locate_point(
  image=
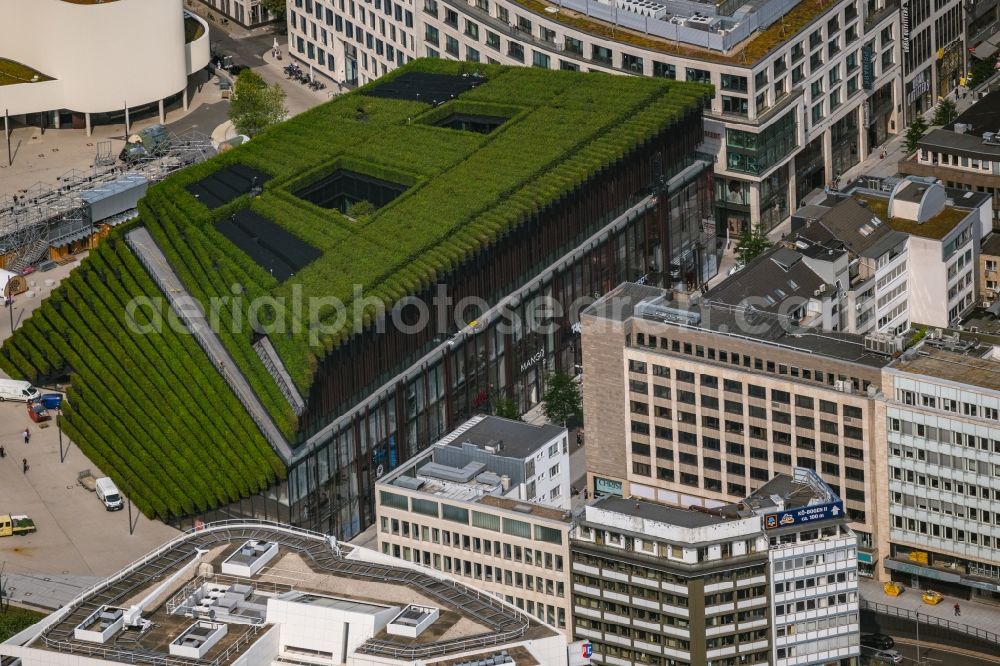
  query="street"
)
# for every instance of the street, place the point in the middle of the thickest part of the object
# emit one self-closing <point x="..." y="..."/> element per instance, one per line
<point x="939" y="654"/>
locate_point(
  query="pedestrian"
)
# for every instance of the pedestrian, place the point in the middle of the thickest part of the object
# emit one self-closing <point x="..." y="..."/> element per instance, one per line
<point x="3" y="452"/>
<point x="585" y="494"/>
<point x="572" y="491"/>
<point x="958" y="610"/>
<point x="27" y="436"/>
<point x="579" y="439"/>
<point x="24" y="466"/>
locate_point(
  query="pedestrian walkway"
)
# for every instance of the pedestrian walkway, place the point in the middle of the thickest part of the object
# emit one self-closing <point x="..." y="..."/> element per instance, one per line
<point x="976" y="618"/>
<point x="194" y="319"/>
<point x="895" y="148"/>
<point x="45" y="592"/>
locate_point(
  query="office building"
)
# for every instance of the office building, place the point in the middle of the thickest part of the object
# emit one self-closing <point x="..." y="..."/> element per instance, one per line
<point x="964" y="154"/>
<point x="803" y="89"/>
<point x="77" y="64"/>
<point x="989" y="270"/>
<point x="933" y="34"/>
<point x="703" y="403"/>
<point x="261" y="593"/>
<point x="474" y="506"/>
<point x="981" y="21"/>
<point x="942" y="422"/>
<point x="771" y="579"/>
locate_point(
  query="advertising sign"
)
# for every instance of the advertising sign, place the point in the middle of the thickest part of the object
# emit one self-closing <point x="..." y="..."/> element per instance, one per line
<point x="805" y="514"/>
<point x="867" y="67"/>
<point x="904" y="16"/>
<point x="607" y="486"/>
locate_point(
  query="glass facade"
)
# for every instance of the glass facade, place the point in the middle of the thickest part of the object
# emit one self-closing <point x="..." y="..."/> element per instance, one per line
<point x="385" y="396"/>
<point x="755" y="153"/>
<point x="844" y="135"/>
<point x="732" y="201"/>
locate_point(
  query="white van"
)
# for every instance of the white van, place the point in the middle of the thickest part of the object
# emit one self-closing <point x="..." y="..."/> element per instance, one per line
<point x="108" y="493"/>
<point x="12" y="389"/>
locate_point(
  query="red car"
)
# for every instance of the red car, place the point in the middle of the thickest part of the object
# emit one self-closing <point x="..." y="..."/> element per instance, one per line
<point x="38" y="413"/>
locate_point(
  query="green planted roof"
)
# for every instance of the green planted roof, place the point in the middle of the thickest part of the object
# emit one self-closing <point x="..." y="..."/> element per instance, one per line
<point x="465" y="189"/>
<point x="151" y="409"/>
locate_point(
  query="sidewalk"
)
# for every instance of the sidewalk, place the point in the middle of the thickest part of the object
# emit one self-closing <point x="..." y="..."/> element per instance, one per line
<point x="984" y="617"/>
<point x="874" y="165"/>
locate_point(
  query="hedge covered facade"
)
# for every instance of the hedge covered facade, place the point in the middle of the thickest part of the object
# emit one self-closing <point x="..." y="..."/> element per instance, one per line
<point x="480" y="213"/>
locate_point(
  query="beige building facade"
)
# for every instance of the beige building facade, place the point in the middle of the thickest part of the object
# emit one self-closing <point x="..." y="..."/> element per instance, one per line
<point x="695" y="411"/>
<point x="464" y="512"/>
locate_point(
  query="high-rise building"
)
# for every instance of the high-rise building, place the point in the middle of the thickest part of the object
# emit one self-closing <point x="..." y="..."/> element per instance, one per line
<point x="704" y="403"/>
<point x="488" y="504"/>
<point x="803" y="89"/>
<point x="771" y="579"/>
<point x="941" y="417"/>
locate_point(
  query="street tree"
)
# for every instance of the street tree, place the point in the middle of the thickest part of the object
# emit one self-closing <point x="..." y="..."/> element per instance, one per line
<point x="276" y="7"/>
<point x="914" y="133"/>
<point x="254" y="105"/>
<point x="945" y="112"/>
<point x="751" y="244"/>
<point x="562" y="398"/>
<point x="506" y="408"/>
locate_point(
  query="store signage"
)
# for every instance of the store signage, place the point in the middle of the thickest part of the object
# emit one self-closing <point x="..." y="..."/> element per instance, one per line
<point x="533" y="359"/>
<point x="867" y="67"/>
<point x="587" y="650"/>
<point x="806" y="514"/>
<point x="904" y="15"/>
<point x="607" y="486"/>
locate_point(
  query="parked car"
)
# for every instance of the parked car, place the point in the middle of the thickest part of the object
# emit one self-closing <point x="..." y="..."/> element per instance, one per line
<point x="878" y="641"/>
<point x="891" y="655"/>
<point x="12" y="389"/>
<point x="38" y="413"/>
<point x="109" y="495"/>
<point x="51" y="400"/>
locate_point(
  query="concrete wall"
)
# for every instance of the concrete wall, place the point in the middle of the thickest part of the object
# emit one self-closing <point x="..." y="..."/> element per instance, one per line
<point x="102" y="56"/>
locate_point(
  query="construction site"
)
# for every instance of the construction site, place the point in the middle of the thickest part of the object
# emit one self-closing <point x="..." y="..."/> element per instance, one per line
<point x="51" y="222"/>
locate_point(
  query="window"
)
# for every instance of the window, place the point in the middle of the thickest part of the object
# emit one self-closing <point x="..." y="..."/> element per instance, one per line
<point x="471" y="54"/>
<point x="451" y="17"/>
<point x="600" y="54"/>
<point x="451" y="45"/>
<point x="430" y="7"/>
<point x="472" y="29"/>
<point x="734" y="83"/>
<point x="664" y="70"/>
<point x="517" y="528"/>
<point x="698" y="75"/>
<point x="632" y="63"/>
<point x="735" y="105"/>
<point x="431" y="34"/>
<point x="574" y="45"/>
<point x="455" y="514"/>
<point x="492" y="40"/>
<point x="393" y="500"/>
<point x="539" y="59"/>
<point x="515" y="51"/>
<point x="424" y="507"/>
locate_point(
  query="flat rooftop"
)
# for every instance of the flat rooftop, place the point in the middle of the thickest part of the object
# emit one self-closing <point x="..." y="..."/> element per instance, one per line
<point x="661" y="513"/>
<point x="518" y="439"/>
<point x="630" y="300"/>
<point x="307" y="570"/>
<point x="991" y="245"/>
<point x="937" y="227"/>
<point x="969" y="368"/>
<point x="714" y="35"/>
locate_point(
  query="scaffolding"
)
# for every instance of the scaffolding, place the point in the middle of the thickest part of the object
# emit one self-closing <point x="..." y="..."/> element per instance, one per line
<point x="35" y="216"/>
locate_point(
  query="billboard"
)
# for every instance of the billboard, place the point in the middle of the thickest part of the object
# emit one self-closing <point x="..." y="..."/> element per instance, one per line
<point x="805" y="514"/>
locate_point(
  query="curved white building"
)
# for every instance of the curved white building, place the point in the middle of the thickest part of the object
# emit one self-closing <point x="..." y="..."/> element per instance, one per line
<point x="93" y="57"/>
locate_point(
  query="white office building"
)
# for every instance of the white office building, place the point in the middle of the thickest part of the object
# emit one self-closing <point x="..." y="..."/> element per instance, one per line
<point x="803" y="89"/>
<point x="769" y="580"/>
<point x="942" y="421"/>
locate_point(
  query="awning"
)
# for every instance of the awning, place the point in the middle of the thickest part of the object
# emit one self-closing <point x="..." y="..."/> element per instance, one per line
<point x="988" y="48"/>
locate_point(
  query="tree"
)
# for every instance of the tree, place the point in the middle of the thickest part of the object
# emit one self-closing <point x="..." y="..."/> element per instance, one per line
<point x="981" y="71"/>
<point x="562" y="398"/>
<point x="945" y="112"/>
<point x="751" y="244"/>
<point x="276" y="7"/>
<point x="506" y="408"/>
<point x="914" y="133"/>
<point x="254" y="105"/>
